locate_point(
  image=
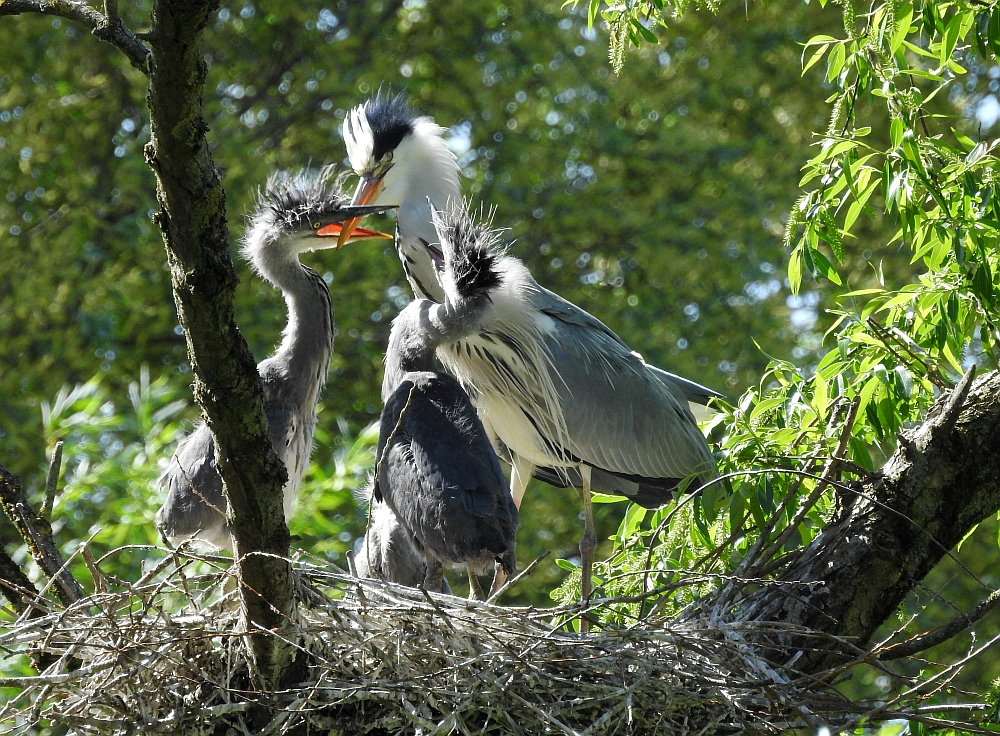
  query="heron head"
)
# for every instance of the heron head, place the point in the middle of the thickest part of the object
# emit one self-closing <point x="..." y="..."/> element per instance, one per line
<point x="401" y="157"/>
<point x="471" y="250"/>
<point x="307" y="205"/>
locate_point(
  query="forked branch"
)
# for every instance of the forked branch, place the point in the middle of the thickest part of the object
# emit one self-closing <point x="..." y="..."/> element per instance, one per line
<point x="108" y="28"/>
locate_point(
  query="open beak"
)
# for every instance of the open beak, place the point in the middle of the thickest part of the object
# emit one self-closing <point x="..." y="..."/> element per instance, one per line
<point x="354" y="214"/>
<point x="368" y="188"/>
<point x="337" y="230"/>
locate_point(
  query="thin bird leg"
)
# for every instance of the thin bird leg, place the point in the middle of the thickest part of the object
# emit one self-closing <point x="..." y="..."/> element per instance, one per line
<point x="520" y="474"/>
<point x="499" y="578"/>
<point x="434" y="579"/>
<point x="588" y="543"/>
<point x="475" y="589"/>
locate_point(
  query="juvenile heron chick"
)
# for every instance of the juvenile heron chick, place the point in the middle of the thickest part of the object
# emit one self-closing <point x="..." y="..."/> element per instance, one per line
<point x="436" y="469"/>
<point x="296" y="213"/>
<point x="389" y="552"/>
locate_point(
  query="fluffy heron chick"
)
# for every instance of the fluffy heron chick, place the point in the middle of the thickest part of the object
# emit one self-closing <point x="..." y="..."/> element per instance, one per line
<point x="389" y="552"/>
<point x="295" y="213"/>
<point x="436" y="469"/>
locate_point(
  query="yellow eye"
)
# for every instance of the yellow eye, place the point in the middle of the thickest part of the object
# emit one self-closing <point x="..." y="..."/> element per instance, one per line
<point x="316" y="226"/>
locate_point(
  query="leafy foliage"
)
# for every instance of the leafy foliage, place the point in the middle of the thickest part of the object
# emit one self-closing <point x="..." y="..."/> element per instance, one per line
<point x="899" y="148"/>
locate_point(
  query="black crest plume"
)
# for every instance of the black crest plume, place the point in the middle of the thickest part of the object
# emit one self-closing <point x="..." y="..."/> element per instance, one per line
<point x="391" y="118"/>
<point x="471" y="251"/>
<point x="291" y="196"/>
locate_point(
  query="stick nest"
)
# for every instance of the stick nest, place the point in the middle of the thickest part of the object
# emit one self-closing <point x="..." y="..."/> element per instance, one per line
<point x="165" y="656"/>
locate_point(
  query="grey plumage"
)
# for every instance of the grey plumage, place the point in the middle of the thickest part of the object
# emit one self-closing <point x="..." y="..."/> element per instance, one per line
<point x="295" y="213"/>
<point x="389" y="552"/>
<point x="436" y="469"/>
<point x="563" y="396"/>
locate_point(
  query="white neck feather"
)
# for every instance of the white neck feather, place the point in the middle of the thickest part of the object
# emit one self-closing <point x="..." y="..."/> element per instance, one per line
<point x="425" y="169"/>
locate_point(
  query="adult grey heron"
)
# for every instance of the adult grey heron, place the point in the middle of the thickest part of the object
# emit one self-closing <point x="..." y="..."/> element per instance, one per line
<point x="296" y="213"/>
<point x="564" y="396"/>
<point x="435" y="468"/>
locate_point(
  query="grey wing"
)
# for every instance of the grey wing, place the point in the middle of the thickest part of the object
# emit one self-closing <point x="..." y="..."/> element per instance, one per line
<point x="568" y="313"/>
<point x="195" y="505"/>
<point x="690" y="391"/>
<point x="555" y="306"/>
<point x="619" y="416"/>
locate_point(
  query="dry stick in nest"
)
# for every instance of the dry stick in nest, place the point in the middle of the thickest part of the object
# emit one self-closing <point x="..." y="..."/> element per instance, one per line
<point x="37" y="534"/>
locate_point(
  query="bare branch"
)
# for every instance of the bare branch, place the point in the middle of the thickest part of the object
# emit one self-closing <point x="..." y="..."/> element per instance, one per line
<point x="15" y="585"/>
<point x="943" y="633"/>
<point x="108" y="28"/>
<point x="52" y="480"/>
<point x="37" y="534"/>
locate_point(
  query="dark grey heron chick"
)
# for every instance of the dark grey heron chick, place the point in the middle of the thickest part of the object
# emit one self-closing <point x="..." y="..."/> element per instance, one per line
<point x="389" y="552"/>
<point x="436" y="469"/>
<point x="296" y="213"/>
<point x="564" y="397"/>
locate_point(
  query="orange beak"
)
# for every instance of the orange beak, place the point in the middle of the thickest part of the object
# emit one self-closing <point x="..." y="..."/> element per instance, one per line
<point x="368" y="188"/>
<point x="337" y="229"/>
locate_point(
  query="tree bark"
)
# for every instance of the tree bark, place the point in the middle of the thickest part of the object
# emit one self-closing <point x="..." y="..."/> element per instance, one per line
<point x="942" y="481"/>
<point x="227" y="385"/>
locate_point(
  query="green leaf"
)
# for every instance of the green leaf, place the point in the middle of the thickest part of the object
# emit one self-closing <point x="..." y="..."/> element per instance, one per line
<point x="566" y="565"/>
<point x="592" y="12"/>
<point x="817" y="55"/>
<point x="896" y="132"/>
<point x="645" y="32"/>
<point x="858" y="205"/>
<point x="836" y="62"/>
<point x="795" y="270"/>
<point x="905" y="380"/>
<point x="824" y="267"/>
<point x="904" y="14"/>
<point x="993" y="31"/>
<point x="949" y="39"/>
<point x="596" y="497"/>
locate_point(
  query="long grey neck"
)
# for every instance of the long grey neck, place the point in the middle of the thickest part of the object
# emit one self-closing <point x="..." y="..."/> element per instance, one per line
<point x="440" y="184"/>
<point x="421" y="328"/>
<point x="307" y="341"/>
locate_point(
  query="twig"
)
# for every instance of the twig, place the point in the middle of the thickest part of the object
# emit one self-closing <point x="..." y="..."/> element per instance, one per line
<point x="16" y="587"/>
<point x="108" y="29"/>
<point x="52" y="480"/>
<point x="825" y="477"/>
<point x="95" y="571"/>
<point x="913" y="350"/>
<point x="37" y="534"/>
<point x="942" y="633"/>
<point x="512" y="581"/>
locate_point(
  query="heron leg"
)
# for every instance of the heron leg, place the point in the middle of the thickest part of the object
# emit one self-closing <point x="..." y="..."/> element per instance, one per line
<point x="520" y="473"/>
<point x="434" y="578"/>
<point x="499" y="578"/>
<point x="588" y="543"/>
<point x="475" y="589"/>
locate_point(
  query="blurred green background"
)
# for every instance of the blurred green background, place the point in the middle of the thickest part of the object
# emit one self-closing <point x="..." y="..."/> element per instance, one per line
<point x="655" y="199"/>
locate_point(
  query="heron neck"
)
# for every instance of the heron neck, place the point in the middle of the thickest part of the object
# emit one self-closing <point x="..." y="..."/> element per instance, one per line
<point x="431" y="178"/>
<point x="421" y="328"/>
<point x="307" y="340"/>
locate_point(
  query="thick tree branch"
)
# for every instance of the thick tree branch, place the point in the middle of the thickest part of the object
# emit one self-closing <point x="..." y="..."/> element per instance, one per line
<point x="108" y="28"/>
<point x="943" y="480"/>
<point x="227" y="385"/>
